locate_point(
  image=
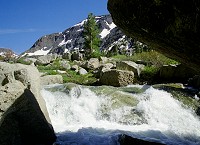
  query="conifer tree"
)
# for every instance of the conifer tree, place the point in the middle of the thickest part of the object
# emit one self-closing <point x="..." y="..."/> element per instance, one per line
<point x="91" y="38"/>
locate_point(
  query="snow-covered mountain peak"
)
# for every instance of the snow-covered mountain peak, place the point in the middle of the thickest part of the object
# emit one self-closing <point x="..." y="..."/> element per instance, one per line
<point x="71" y="39"/>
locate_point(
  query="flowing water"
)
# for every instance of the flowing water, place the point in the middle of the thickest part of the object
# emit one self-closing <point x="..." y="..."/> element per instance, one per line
<point x="84" y="115"/>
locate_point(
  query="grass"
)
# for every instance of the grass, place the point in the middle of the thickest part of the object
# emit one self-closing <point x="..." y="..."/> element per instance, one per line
<point x="68" y="77"/>
<point x="154" y="61"/>
<point x="73" y="77"/>
<point x="22" y="61"/>
<point x="152" y="56"/>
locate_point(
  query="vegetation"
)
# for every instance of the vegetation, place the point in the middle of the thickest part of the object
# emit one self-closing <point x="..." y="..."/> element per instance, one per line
<point x="73" y="77"/>
<point x="153" y="62"/>
<point x="69" y="75"/>
<point x="22" y="61"/>
<point x="148" y="75"/>
<point x="91" y="38"/>
<point x="152" y="57"/>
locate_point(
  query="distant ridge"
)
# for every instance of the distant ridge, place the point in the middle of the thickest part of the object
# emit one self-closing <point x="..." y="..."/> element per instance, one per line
<point x="71" y="39"/>
<point x="4" y="52"/>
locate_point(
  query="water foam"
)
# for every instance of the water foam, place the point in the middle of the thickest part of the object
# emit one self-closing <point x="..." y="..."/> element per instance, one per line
<point x="77" y="118"/>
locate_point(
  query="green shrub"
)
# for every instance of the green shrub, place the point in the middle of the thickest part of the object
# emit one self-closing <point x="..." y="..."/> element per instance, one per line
<point x="148" y="74"/>
<point x="22" y="61"/>
<point x="156" y="59"/>
<point x="73" y="77"/>
<point x="96" y="54"/>
<point x="49" y="72"/>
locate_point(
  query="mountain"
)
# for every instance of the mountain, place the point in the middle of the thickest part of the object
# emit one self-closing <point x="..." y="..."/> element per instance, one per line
<point x="71" y="39"/>
<point x="7" y="52"/>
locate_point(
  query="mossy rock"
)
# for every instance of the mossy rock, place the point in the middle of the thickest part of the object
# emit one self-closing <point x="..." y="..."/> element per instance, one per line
<point x="65" y="88"/>
<point x="120" y="99"/>
<point x="132" y="90"/>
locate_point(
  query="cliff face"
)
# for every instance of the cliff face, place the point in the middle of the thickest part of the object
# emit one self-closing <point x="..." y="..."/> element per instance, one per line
<point x="171" y="27"/>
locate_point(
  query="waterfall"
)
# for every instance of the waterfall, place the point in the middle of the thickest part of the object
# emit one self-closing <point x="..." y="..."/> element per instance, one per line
<point x="84" y="115"/>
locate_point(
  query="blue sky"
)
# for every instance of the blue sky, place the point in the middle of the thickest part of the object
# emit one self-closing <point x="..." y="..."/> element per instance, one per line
<point x="22" y="22"/>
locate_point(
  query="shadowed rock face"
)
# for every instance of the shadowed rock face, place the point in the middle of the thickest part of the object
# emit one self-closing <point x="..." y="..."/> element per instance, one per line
<point x="171" y="27"/>
<point x="25" y="124"/>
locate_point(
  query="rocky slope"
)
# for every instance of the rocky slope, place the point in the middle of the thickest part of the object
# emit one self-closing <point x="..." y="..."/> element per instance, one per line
<point x="171" y="27"/>
<point x="4" y="52"/>
<point x="71" y="39"/>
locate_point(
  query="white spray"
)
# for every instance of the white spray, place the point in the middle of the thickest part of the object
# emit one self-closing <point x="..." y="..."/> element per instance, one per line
<point x="76" y="118"/>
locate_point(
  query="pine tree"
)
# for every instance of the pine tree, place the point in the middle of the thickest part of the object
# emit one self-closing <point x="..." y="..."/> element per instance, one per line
<point x="91" y="38"/>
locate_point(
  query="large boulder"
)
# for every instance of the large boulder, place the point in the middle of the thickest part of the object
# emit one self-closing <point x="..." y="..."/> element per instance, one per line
<point x="51" y="79"/>
<point x="117" y="78"/>
<point x="24" y="123"/>
<point x="171" y="27"/>
<point x="176" y="73"/>
<point x="195" y="82"/>
<point x="77" y="56"/>
<point x="23" y="112"/>
<point x="91" y="64"/>
<point x="65" y="64"/>
<point x="46" y="59"/>
<point x="75" y="68"/>
<point x="130" y="66"/>
<point x="104" y="67"/>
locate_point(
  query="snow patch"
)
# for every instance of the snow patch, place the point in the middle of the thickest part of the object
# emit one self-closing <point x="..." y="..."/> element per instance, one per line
<point x="112" y="25"/>
<point x="105" y="32"/>
<point x="98" y="17"/>
<point x="38" y="52"/>
<point x="117" y="42"/>
<point x="79" y="30"/>
<point x="81" y="23"/>
<point x="63" y="42"/>
<point x="66" y="50"/>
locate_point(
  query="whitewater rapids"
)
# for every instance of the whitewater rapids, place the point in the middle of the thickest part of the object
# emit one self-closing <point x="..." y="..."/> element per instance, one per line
<point x="83" y="115"/>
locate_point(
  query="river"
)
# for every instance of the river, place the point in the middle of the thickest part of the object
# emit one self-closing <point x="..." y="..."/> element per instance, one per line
<point x="91" y="115"/>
